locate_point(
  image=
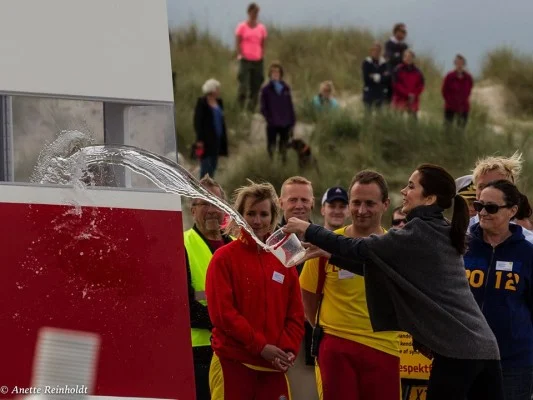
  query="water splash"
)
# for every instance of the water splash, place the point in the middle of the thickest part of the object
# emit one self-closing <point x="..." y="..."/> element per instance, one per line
<point x="66" y="144"/>
<point x="70" y="166"/>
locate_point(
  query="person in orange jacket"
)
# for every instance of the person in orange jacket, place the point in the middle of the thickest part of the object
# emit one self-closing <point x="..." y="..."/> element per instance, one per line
<point x="255" y="306"/>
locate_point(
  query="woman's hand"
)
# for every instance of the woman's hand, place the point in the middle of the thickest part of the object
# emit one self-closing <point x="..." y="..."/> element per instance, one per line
<point x="280" y="366"/>
<point x="297" y="226"/>
<point x="313" y="251"/>
<point x="277" y="357"/>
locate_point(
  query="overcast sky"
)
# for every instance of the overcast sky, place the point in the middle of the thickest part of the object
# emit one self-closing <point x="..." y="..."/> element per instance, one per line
<point x="442" y="28"/>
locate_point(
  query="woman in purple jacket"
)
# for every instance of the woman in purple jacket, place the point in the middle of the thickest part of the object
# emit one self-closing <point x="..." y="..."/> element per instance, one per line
<point x="278" y="110"/>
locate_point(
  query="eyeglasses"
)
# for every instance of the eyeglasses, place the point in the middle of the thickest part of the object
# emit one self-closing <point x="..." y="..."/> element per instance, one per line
<point x="396" y="222"/>
<point x="490" y="208"/>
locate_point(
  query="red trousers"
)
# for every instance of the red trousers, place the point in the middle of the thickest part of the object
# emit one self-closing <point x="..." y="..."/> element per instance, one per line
<point x="353" y="371"/>
<point x="230" y="380"/>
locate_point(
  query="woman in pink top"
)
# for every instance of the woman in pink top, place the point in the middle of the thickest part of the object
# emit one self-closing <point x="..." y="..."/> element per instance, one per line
<point x="250" y="44"/>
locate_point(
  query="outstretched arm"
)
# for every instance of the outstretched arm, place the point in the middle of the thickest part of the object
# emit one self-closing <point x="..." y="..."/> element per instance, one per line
<point x="357" y="267"/>
<point x="351" y="248"/>
<point x="342" y="246"/>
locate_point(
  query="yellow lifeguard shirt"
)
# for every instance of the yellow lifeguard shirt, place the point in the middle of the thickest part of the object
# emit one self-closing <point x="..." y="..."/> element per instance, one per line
<point x="344" y="311"/>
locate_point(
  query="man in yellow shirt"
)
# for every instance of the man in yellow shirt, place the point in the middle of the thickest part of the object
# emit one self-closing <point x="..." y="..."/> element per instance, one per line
<point x="355" y="362"/>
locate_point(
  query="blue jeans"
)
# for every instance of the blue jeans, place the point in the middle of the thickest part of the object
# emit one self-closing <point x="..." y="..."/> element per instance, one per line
<point x="208" y="165"/>
<point x="518" y="383"/>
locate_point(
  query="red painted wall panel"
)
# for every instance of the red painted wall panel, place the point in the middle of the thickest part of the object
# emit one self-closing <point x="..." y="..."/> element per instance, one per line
<point x="115" y="272"/>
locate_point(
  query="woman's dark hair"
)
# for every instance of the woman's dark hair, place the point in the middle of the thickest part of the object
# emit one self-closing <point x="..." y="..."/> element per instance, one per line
<point x="513" y="197"/>
<point x="252" y="7"/>
<point x="398" y="27"/>
<point x="438" y="182"/>
<point x="275" y="64"/>
<point x="461" y="57"/>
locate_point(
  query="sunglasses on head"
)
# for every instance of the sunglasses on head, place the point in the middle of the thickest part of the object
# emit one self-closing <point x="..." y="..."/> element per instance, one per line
<point x="396" y="222"/>
<point x="490" y="208"/>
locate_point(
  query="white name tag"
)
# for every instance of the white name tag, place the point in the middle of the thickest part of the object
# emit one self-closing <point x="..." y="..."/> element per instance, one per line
<point x="343" y="274"/>
<point x="504" y="265"/>
<point x="278" y="277"/>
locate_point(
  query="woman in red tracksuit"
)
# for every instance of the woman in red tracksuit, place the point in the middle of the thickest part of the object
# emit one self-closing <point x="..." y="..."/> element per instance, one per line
<point x="255" y="306"/>
<point x="407" y="85"/>
<point x="456" y="89"/>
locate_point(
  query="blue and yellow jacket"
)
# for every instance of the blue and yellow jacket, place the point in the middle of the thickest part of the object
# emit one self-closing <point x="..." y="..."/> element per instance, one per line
<point x="501" y="280"/>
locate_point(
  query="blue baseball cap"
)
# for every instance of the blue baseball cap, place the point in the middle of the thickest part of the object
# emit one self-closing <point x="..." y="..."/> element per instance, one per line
<point x="335" y="193"/>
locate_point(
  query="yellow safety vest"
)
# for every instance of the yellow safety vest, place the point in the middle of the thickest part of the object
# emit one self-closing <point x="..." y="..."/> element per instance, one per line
<point x="199" y="255"/>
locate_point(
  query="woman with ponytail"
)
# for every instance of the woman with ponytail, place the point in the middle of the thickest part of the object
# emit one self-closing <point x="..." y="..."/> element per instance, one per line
<point x="499" y="267"/>
<point x="415" y="282"/>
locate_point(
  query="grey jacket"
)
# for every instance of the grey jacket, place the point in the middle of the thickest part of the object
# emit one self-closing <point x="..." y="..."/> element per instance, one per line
<point x="415" y="282"/>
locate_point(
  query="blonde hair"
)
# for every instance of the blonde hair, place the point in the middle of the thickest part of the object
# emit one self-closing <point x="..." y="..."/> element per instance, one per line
<point x="409" y="51"/>
<point x="327" y="85"/>
<point x="260" y="192"/>
<point x="296" y="180"/>
<point x="376" y="45"/>
<point x="507" y="166"/>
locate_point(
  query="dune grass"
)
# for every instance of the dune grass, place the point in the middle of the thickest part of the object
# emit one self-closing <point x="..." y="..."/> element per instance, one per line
<point x="389" y="144"/>
<point x="308" y="55"/>
<point x="344" y="142"/>
<point x="515" y="71"/>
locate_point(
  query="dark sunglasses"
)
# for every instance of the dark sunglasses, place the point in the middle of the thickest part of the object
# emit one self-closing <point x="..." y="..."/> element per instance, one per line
<point x="490" y="208"/>
<point x="396" y="222"/>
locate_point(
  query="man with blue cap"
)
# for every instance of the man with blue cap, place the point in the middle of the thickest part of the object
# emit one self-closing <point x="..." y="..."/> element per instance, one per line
<point x="334" y="208"/>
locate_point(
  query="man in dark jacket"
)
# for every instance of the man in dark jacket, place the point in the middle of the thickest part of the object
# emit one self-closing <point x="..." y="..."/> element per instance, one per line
<point x="278" y="110"/>
<point x="376" y="78"/>
<point x="201" y="241"/>
<point x="456" y="90"/>
<point x="394" y="49"/>
<point x="210" y="128"/>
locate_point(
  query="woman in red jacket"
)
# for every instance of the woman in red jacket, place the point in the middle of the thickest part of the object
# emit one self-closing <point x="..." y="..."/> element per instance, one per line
<point x="255" y="306"/>
<point x="407" y="85"/>
<point x="456" y="90"/>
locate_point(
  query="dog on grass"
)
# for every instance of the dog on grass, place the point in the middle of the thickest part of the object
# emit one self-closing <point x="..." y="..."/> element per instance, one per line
<point x="305" y="156"/>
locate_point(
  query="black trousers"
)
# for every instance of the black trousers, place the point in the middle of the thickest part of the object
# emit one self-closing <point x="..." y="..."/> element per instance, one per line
<point x="451" y="116"/>
<point x="202" y="361"/>
<point x="272" y="135"/>
<point x="250" y="79"/>
<point x="374" y="104"/>
<point x="456" y="379"/>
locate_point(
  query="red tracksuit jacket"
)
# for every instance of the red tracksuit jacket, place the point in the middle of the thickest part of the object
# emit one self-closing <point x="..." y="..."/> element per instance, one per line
<point x="407" y="79"/>
<point x="253" y="301"/>
<point x="456" y="92"/>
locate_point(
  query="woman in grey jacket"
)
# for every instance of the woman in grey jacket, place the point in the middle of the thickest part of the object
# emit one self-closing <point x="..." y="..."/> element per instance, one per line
<point x="415" y="282"/>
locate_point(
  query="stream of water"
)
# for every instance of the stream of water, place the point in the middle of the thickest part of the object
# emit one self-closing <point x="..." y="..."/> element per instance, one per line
<point x="72" y="159"/>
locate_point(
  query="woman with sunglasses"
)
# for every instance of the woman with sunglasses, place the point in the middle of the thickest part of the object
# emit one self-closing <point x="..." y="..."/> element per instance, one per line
<point x="398" y="218"/>
<point x="499" y="269"/>
<point x="415" y="282"/>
